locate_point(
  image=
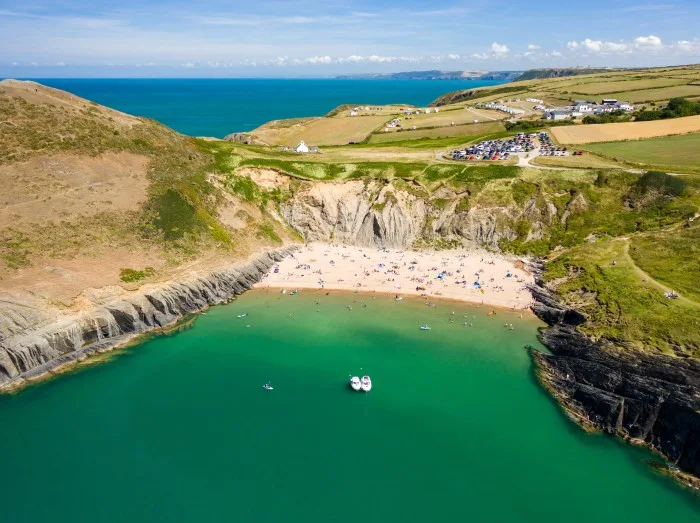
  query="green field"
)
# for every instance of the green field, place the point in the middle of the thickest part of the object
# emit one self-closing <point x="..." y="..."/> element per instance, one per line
<point x="626" y="85"/>
<point x="635" y="86"/>
<point x="652" y="252"/>
<point x="619" y="303"/>
<point x="680" y="152"/>
<point x="655" y="95"/>
<point x="467" y="130"/>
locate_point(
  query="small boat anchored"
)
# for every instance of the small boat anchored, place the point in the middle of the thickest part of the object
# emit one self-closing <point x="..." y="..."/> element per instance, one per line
<point x="267" y="386"/>
<point x="426" y="327"/>
<point x="366" y="384"/>
<point x="242" y="315"/>
<point x="355" y="383"/>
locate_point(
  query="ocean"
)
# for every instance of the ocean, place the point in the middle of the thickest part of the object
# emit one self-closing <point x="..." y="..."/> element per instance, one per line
<point x="456" y="428"/>
<point x="206" y="107"/>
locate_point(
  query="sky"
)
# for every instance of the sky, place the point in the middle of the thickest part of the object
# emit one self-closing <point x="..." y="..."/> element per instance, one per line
<point x="303" y="38"/>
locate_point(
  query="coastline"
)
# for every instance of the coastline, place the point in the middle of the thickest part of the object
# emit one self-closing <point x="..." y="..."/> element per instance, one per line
<point x="477" y="277"/>
<point x="38" y="354"/>
<point x="65" y="343"/>
<point x="642" y="399"/>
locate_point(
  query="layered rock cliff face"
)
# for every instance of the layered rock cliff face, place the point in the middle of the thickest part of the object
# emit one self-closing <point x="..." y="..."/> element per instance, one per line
<point x="377" y="214"/>
<point x="653" y="400"/>
<point x="32" y="343"/>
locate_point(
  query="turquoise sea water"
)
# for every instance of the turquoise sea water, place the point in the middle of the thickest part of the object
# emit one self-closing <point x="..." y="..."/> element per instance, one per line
<point x="456" y="427"/>
<point x="206" y="107"/>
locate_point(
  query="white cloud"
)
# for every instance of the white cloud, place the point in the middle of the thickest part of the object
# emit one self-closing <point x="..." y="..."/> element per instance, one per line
<point x="648" y="41"/>
<point x="318" y="60"/>
<point x="60" y="64"/>
<point x="381" y="59"/>
<point x="15" y="63"/>
<point x="528" y="53"/>
<point x="641" y="44"/>
<point x="353" y="59"/>
<point x="495" y="51"/>
<point x="453" y="56"/>
<point x="687" y="46"/>
<point x="599" y="46"/>
<point x="33" y="64"/>
<point x="187" y="65"/>
<point x="499" y="49"/>
<point x="555" y="53"/>
<point x="280" y="61"/>
<point x="533" y="47"/>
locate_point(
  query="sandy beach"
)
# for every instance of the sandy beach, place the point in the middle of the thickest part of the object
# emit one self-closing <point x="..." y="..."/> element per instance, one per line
<point x="478" y="277"/>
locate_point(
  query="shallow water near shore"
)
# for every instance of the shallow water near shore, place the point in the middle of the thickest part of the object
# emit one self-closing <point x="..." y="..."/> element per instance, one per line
<point x="456" y="427"/>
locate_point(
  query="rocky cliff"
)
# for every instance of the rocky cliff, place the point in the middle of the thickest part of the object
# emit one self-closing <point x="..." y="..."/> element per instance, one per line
<point x="33" y="344"/>
<point x="382" y="214"/>
<point x="652" y="400"/>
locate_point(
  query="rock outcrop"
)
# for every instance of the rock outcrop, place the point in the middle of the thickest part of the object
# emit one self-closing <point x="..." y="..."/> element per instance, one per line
<point x="354" y="213"/>
<point x="31" y="346"/>
<point x="377" y="214"/>
<point x="652" y="400"/>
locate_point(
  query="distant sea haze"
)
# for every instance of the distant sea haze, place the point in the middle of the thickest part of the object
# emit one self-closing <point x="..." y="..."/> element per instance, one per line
<point x="206" y="107"/>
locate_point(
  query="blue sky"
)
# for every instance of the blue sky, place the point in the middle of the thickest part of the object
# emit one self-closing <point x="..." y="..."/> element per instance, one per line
<point x="265" y="38"/>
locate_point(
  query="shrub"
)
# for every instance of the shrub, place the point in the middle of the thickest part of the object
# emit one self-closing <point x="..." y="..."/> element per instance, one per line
<point x="131" y="275"/>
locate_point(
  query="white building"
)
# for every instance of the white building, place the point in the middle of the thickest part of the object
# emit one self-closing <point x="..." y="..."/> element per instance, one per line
<point x="301" y="148"/>
<point x="624" y="106"/>
<point x="353" y="113"/>
<point x="427" y="111"/>
<point x="437" y="110"/>
<point x="557" y="115"/>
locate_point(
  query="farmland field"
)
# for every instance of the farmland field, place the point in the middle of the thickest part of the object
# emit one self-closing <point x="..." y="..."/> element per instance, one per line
<point x="626" y="85"/>
<point x="466" y="130"/>
<point x="319" y="131"/>
<point x="613" y="132"/>
<point x="672" y="151"/>
<point x="652" y="95"/>
<point x="587" y="161"/>
<point x="445" y="118"/>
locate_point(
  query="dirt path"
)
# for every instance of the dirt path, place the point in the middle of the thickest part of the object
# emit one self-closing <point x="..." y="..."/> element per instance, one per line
<point x="648" y="278"/>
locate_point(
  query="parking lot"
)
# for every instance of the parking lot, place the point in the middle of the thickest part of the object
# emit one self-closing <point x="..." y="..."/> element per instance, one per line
<point x="502" y="149"/>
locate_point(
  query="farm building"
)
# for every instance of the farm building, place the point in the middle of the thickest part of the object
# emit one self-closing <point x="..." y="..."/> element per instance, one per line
<point x="609" y="101"/>
<point x="301" y="148"/>
<point x="557" y="114"/>
<point x="582" y="106"/>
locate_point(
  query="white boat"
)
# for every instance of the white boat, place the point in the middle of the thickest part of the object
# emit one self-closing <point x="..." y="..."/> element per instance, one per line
<point x="267" y="386"/>
<point x="355" y="383"/>
<point x="425" y="328"/>
<point x="366" y="383"/>
<point x="242" y="315"/>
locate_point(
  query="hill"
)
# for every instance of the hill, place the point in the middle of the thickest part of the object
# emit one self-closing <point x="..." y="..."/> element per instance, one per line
<point x="93" y="198"/>
<point x="638" y="86"/>
<point x="506" y="76"/>
<point x="541" y="74"/>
